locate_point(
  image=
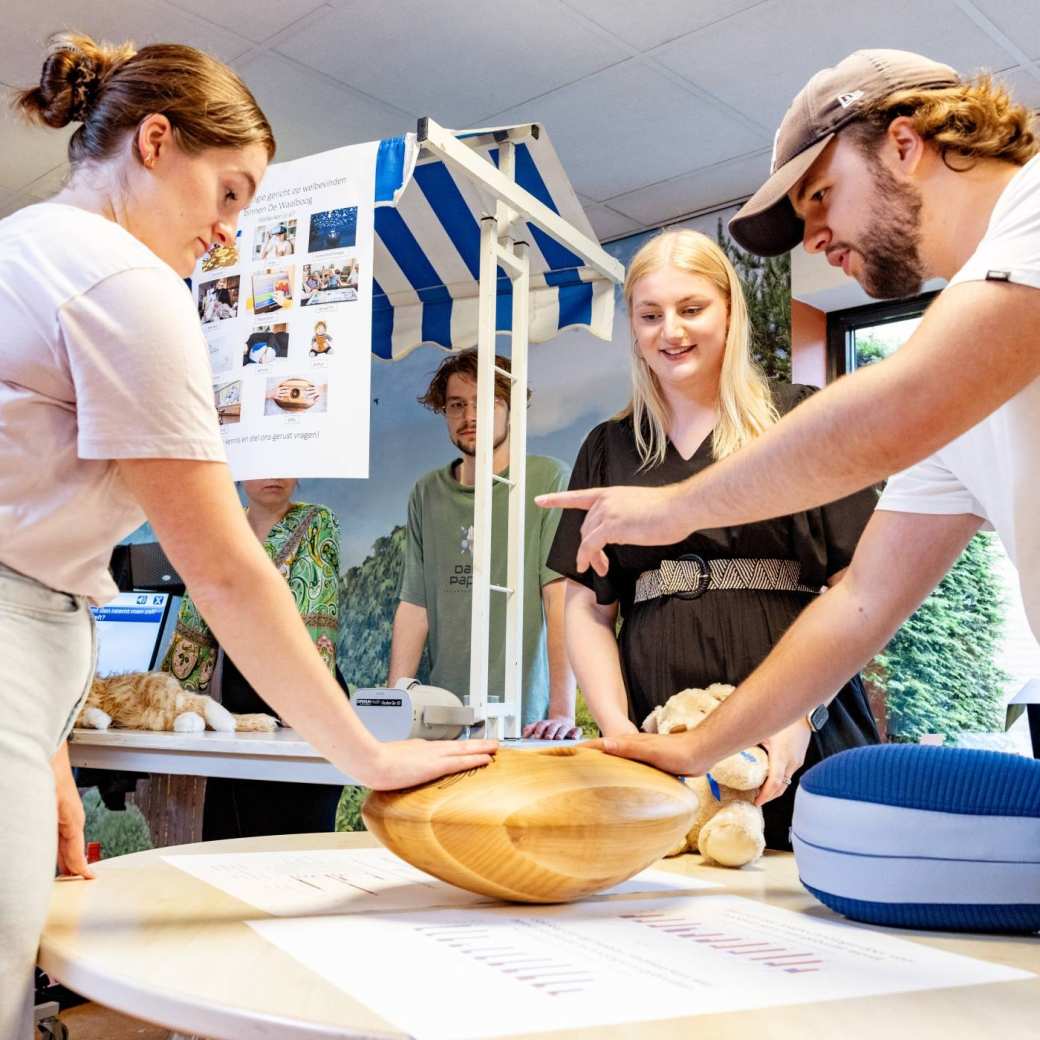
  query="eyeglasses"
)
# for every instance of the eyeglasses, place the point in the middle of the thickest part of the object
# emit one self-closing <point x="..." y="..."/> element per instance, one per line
<point x="456" y="408"/>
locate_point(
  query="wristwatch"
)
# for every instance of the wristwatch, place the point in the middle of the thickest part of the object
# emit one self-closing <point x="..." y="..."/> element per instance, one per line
<point x="817" y="718"/>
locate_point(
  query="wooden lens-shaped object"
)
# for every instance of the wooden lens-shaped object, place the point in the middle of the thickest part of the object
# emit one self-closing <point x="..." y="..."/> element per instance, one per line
<point x="536" y="826"/>
<point x="293" y="396"/>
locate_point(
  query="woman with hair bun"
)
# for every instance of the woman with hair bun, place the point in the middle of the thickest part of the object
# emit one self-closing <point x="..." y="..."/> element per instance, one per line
<point x="710" y="608"/>
<point x="106" y="419"/>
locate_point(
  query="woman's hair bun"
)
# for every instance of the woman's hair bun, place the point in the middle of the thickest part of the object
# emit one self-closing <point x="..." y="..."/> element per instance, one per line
<point x="75" y="69"/>
<point x="110" y="89"/>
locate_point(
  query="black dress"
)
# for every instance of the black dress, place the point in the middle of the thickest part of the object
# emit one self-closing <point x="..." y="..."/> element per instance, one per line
<point x="669" y="643"/>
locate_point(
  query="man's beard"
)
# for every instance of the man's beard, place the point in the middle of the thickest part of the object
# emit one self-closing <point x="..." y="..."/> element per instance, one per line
<point x="890" y="249"/>
<point x="458" y="442"/>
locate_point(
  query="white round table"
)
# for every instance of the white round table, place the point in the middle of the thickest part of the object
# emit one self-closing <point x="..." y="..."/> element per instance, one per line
<point x="154" y="942"/>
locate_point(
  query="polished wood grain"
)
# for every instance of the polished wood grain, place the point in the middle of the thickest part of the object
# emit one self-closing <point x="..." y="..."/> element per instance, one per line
<point x="543" y="826"/>
<point x="296" y="401"/>
<point x="150" y="940"/>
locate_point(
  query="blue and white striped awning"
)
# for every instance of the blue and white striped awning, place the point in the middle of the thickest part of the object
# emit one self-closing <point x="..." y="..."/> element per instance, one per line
<point x="427" y="245"/>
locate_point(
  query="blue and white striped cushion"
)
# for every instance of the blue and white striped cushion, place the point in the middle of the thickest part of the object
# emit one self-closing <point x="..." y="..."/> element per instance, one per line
<point x="923" y="837"/>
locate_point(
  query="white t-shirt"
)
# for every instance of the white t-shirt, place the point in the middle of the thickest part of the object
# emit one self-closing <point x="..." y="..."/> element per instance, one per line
<point x="101" y="358"/>
<point x="993" y="470"/>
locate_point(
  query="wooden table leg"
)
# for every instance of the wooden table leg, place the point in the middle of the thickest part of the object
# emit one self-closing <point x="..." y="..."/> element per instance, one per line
<point x="172" y="806"/>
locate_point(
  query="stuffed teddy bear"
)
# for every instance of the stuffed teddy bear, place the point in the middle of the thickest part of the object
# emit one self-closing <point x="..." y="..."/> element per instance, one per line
<point x="729" y="828"/>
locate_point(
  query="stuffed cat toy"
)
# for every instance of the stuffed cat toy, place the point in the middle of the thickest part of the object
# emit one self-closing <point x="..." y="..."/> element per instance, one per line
<point x="156" y="701"/>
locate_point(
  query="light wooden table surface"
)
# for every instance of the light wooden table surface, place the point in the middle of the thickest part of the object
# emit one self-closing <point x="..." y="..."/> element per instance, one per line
<point x="152" y="941"/>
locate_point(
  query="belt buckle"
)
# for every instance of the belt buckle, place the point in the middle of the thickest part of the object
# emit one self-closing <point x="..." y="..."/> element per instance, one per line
<point x="703" y="576"/>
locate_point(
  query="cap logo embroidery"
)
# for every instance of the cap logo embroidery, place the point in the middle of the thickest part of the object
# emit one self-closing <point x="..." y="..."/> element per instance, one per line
<point x="850" y="98"/>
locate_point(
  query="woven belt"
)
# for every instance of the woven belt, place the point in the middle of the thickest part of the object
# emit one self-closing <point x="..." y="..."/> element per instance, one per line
<point x="691" y="576"/>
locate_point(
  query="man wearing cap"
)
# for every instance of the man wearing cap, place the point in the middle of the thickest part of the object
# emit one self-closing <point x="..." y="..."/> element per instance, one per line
<point x="899" y="171"/>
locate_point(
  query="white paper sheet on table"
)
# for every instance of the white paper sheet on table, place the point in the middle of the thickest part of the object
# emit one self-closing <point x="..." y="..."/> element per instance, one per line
<point x="605" y="962"/>
<point x="339" y="881"/>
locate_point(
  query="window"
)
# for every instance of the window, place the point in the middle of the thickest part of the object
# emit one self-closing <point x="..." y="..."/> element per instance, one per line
<point x="968" y="649"/>
<point x="863" y="335"/>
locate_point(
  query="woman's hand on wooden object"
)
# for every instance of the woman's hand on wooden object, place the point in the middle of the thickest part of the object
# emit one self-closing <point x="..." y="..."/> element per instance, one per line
<point x="404" y="763"/>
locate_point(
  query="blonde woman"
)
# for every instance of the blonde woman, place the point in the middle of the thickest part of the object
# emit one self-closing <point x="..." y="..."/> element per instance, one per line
<point x="710" y="608"/>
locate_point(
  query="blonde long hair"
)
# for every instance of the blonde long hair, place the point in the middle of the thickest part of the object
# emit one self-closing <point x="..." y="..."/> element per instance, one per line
<point x="745" y="403"/>
<point x="975" y="119"/>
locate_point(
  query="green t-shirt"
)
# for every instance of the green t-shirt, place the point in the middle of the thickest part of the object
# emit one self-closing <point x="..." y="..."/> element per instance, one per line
<point x="438" y="571"/>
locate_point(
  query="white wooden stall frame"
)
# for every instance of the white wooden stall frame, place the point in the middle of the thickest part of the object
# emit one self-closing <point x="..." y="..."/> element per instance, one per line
<point x="503" y="242"/>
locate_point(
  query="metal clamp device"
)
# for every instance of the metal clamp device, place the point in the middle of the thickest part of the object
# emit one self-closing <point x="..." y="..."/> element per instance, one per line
<point x="410" y="709"/>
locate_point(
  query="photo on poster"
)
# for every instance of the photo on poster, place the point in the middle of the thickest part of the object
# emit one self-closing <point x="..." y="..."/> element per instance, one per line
<point x="272" y="288"/>
<point x="334" y="280"/>
<point x="228" y="399"/>
<point x="217" y="257"/>
<point x="273" y="241"/>
<point x="223" y="354"/>
<point x="332" y="229"/>
<point x="266" y="343"/>
<point x="218" y="299"/>
<point x="322" y="340"/>
<point x="295" y="395"/>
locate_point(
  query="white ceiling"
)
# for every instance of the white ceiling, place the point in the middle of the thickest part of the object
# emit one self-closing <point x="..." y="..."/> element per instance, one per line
<point x="658" y="110"/>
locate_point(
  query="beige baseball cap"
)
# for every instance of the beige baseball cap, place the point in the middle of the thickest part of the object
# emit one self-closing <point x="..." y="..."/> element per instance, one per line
<point x="767" y="224"/>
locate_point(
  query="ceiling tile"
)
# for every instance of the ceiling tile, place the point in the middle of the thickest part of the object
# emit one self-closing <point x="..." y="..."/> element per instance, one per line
<point x="629" y="126"/>
<point x="669" y="19"/>
<point x="608" y="223"/>
<point x="27" y="151"/>
<point x="456" y="59"/>
<point x="254" y="19"/>
<point x="726" y="182"/>
<point x="758" y="60"/>
<point x="1017" y="19"/>
<point x="309" y="113"/>
<point x="638" y="143"/>
<point x="28" y="23"/>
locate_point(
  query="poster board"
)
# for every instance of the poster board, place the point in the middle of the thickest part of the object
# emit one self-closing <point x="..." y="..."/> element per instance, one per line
<point x="287" y="314"/>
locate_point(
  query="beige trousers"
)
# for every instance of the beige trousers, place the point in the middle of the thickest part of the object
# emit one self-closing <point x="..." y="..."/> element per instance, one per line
<point x="47" y="657"/>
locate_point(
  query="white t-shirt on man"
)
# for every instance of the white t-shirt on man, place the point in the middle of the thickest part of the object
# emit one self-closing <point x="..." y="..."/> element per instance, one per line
<point x="993" y="470"/>
<point x="101" y="358"/>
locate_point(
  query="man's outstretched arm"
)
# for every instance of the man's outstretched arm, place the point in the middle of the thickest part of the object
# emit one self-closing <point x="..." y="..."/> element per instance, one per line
<point x="900" y="559"/>
<point x="973" y="352"/>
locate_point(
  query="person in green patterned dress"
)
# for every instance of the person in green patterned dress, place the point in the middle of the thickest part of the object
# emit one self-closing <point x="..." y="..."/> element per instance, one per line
<point x="302" y="541"/>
